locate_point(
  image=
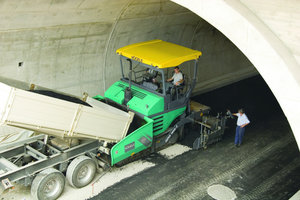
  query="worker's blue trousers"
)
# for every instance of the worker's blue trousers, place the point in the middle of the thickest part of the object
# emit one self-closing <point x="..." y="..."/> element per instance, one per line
<point x="239" y="133"/>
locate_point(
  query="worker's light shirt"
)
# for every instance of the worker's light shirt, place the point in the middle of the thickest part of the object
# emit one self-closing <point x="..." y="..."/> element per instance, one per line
<point x="242" y="119"/>
<point x="177" y="77"/>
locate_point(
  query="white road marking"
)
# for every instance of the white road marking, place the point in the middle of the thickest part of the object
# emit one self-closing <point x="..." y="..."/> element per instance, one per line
<point x="221" y="192"/>
<point x="295" y="196"/>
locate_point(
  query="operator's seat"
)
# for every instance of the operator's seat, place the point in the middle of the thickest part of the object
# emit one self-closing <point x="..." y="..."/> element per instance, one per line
<point x="179" y="89"/>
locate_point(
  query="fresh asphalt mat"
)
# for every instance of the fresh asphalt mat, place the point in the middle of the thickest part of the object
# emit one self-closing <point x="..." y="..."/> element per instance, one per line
<point x="266" y="166"/>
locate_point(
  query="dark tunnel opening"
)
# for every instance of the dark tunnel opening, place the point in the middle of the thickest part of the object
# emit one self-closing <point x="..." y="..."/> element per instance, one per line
<point x="251" y="94"/>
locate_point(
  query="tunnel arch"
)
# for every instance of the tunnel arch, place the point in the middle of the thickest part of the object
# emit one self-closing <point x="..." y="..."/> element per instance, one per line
<point x="271" y="57"/>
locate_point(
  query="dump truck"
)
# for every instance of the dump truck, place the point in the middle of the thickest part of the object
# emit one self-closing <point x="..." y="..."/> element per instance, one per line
<point x="137" y="115"/>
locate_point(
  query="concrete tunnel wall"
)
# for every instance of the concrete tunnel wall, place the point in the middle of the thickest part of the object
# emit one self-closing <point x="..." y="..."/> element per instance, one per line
<point x="70" y="45"/>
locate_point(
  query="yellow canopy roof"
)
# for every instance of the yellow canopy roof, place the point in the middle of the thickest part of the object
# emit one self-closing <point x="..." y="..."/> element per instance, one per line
<point x="159" y="53"/>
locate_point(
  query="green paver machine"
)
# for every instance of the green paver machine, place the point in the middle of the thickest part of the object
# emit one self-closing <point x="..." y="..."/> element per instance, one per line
<point x="136" y="91"/>
<point x="144" y="91"/>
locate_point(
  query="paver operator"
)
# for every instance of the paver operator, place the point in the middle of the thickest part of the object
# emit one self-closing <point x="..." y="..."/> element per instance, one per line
<point x="176" y="79"/>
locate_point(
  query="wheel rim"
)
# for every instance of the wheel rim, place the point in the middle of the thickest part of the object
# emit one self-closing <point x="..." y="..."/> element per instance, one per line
<point x="84" y="174"/>
<point x="51" y="188"/>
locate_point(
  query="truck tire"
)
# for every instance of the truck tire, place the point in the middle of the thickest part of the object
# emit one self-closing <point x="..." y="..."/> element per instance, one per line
<point x="81" y="171"/>
<point x="48" y="185"/>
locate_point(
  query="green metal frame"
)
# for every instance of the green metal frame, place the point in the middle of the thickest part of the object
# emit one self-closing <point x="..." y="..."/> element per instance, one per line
<point x="144" y="102"/>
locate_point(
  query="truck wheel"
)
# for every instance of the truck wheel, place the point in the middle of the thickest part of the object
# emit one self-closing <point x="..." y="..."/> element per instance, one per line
<point x="48" y="184"/>
<point x="81" y="171"/>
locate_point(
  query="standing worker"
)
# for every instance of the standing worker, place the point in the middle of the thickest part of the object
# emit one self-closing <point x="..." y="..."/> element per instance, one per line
<point x="242" y="121"/>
